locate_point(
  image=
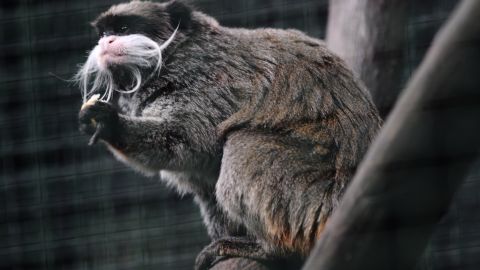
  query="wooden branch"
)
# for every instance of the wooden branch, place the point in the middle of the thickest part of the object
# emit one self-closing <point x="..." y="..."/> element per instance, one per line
<point x="248" y="264"/>
<point x="420" y="157"/>
<point x="370" y="35"/>
<point x="240" y="264"/>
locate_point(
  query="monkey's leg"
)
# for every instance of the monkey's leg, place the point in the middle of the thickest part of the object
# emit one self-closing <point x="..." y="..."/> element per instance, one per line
<point x="217" y="223"/>
<point x="229" y="247"/>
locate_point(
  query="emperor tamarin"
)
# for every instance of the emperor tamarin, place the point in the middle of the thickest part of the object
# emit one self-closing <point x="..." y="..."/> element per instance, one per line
<point x="264" y="127"/>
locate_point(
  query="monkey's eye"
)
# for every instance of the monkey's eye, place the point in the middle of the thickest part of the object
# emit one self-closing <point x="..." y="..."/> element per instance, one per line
<point x="123" y="29"/>
<point x="103" y="33"/>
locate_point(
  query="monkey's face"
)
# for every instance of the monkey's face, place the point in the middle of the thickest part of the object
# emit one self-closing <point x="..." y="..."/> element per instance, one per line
<point x="132" y="38"/>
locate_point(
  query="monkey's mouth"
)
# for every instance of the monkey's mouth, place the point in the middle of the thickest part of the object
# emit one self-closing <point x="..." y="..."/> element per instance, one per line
<point x="109" y="53"/>
<point x="109" y="58"/>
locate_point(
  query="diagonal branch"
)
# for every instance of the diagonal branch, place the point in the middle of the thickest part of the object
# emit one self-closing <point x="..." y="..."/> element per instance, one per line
<point x="370" y="35"/>
<point x="420" y="157"/>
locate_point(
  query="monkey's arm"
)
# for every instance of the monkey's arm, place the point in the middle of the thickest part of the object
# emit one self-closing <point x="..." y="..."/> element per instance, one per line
<point x="150" y="143"/>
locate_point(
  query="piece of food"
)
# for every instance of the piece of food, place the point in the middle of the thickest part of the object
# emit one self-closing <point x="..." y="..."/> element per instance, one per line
<point x="91" y="101"/>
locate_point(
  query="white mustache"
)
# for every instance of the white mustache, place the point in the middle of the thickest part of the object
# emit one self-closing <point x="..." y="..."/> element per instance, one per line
<point x="139" y="53"/>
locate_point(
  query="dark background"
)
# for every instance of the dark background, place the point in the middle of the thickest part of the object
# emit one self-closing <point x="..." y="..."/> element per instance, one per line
<point x="64" y="205"/>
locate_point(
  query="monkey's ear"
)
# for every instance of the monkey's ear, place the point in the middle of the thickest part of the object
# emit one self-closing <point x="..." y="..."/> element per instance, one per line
<point x="180" y="14"/>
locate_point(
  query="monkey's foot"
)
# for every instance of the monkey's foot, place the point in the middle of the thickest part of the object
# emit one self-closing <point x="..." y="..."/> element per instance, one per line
<point x="229" y="247"/>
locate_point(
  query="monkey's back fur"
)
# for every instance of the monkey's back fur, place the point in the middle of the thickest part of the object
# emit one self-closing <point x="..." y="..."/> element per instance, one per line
<point x="293" y="147"/>
<point x="265" y="127"/>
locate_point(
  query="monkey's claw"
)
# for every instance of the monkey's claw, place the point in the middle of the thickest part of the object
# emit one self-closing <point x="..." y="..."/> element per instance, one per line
<point x="206" y="259"/>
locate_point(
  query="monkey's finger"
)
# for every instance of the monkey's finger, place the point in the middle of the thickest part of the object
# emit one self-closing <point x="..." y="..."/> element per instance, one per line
<point x="94" y="123"/>
<point x="96" y="135"/>
<point x="204" y="261"/>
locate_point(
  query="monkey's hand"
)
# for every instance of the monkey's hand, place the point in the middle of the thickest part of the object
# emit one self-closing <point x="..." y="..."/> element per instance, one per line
<point x="228" y="247"/>
<point x="99" y="119"/>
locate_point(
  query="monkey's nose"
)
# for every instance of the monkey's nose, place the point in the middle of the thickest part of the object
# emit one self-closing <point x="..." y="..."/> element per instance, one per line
<point x="105" y="41"/>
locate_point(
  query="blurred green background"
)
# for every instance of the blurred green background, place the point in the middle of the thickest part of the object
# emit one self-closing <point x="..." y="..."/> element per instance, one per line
<point x="64" y="205"/>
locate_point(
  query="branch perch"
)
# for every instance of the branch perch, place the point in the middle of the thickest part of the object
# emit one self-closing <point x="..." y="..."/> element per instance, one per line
<point x="370" y="35"/>
<point x="411" y="172"/>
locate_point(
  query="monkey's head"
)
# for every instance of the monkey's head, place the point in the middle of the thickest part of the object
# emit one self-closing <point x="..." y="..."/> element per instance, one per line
<point x="132" y="37"/>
